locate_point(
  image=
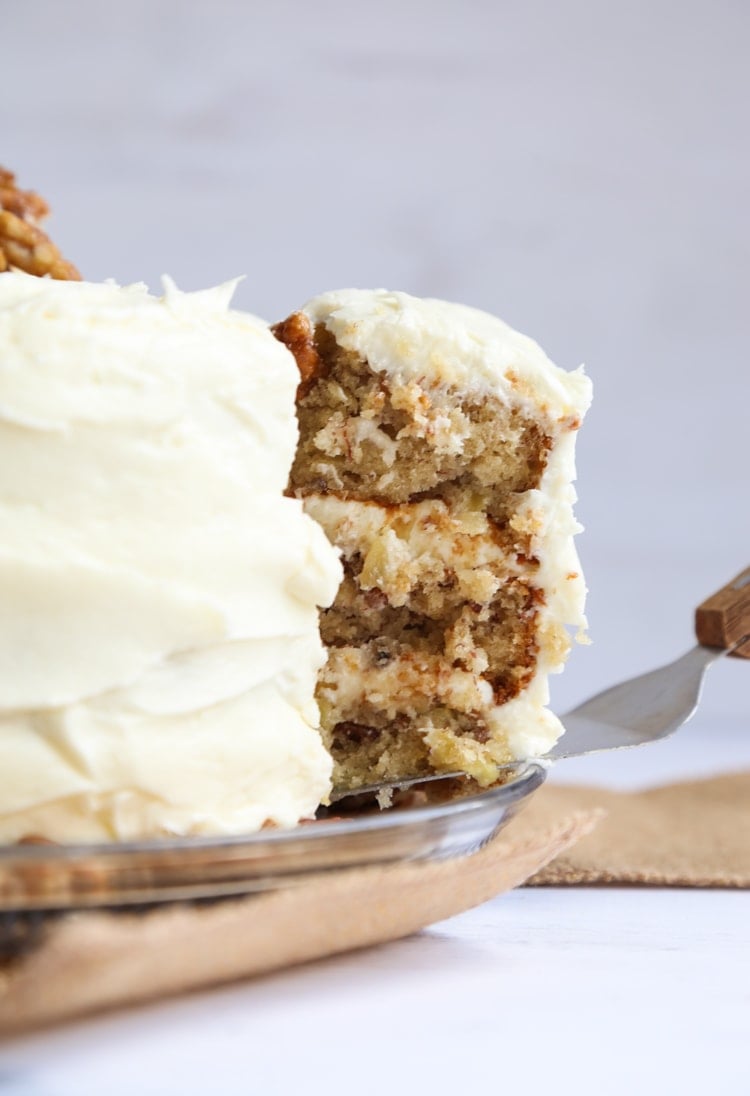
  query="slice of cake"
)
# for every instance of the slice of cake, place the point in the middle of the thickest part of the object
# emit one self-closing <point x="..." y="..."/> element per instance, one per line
<point x="437" y="451"/>
<point x="159" y="629"/>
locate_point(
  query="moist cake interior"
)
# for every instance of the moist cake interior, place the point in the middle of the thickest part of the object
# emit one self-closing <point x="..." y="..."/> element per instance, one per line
<point x="436" y="625"/>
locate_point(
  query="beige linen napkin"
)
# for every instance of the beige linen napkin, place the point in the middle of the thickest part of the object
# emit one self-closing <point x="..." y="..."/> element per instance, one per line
<point x="695" y="834"/>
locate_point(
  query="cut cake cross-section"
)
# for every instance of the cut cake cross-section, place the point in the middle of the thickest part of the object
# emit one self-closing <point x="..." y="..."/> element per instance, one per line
<point x="437" y="452"/>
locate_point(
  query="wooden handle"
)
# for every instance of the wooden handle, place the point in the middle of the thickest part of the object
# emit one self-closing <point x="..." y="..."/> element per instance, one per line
<point x="724" y="618"/>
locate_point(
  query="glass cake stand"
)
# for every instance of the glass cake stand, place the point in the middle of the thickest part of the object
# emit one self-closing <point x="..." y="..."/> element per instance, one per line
<point x="39" y="881"/>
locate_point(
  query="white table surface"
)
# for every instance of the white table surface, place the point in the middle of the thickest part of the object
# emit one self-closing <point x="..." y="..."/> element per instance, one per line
<point x="580" y="168"/>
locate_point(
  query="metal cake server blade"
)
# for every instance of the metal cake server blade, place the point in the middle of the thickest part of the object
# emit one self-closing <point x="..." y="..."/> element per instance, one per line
<point x="653" y="705"/>
<point x="645" y="708"/>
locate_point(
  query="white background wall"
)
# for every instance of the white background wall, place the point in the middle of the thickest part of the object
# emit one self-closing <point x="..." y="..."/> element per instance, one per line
<point x="580" y="168"/>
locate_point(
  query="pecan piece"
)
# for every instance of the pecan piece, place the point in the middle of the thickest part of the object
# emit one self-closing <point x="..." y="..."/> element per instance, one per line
<point x="23" y="245"/>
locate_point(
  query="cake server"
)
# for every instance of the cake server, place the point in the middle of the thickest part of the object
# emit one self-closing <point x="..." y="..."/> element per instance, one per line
<point x="645" y="708"/>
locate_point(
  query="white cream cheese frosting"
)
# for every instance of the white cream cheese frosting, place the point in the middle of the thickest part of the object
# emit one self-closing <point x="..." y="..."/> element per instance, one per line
<point x="158" y="594"/>
<point x="452" y="344"/>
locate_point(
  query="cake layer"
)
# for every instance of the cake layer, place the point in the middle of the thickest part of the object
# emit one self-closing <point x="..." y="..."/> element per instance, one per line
<point x="392" y="441"/>
<point x="424" y="578"/>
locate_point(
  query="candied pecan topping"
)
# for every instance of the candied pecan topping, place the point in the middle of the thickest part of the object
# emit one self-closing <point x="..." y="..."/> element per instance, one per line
<point x="26" y="204"/>
<point x="23" y="246"/>
<point x="297" y="335"/>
